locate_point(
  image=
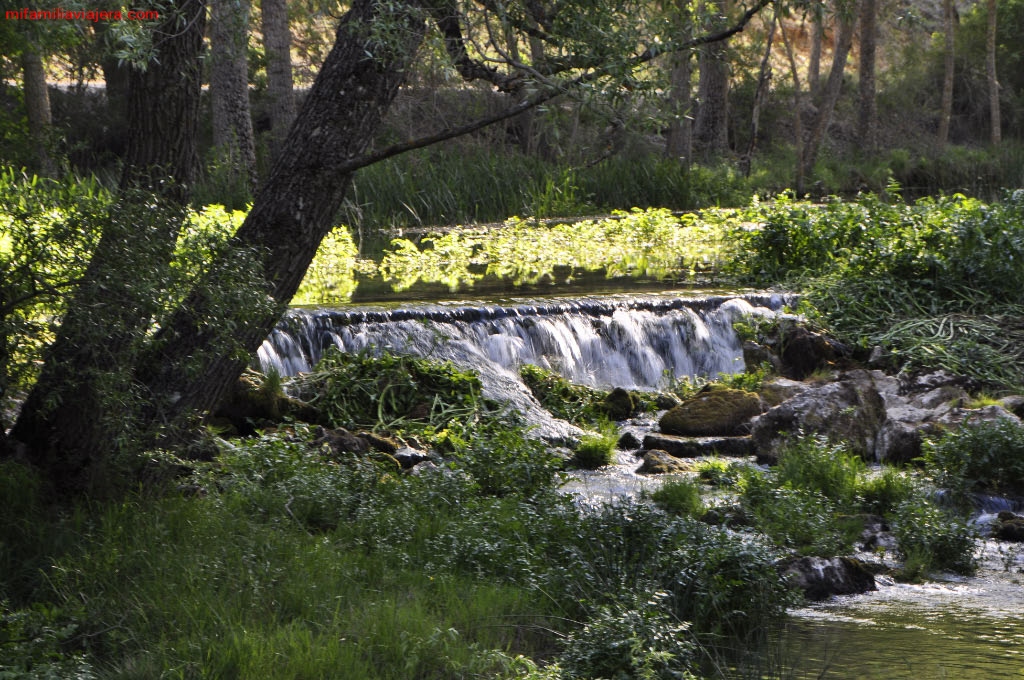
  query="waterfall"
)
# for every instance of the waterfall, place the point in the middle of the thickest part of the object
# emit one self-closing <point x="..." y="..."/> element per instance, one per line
<point x="614" y="341"/>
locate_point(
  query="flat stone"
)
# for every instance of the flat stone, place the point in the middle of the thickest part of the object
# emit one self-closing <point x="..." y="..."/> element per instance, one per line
<point x="693" y="447"/>
<point x="660" y="463"/>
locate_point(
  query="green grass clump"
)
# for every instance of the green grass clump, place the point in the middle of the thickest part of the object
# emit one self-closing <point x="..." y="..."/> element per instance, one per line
<point x="596" y="451"/>
<point x="717" y="472"/>
<point x="576" y="403"/>
<point x="679" y="496"/>
<point x="814" y="464"/>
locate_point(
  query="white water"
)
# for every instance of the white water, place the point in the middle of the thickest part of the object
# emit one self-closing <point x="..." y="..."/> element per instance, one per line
<point x="614" y="341"/>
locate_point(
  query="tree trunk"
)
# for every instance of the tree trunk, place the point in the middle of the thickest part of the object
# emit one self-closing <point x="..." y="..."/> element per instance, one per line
<point x="82" y="406"/>
<point x="679" y="142"/>
<point x="833" y="88"/>
<point x="867" y="110"/>
<point x="229" y="89"/>
<point x="990" y="73"/>
<point x="711" y="127"/>
<point x="949" y="52"/>
<point x="817" y="38"/>
<point x="798" y="128"/>
<point x="277" y="45"/>
<point x="187" y="370"/>
<point x="37" y="108"/>
<point x="763" y="81"/>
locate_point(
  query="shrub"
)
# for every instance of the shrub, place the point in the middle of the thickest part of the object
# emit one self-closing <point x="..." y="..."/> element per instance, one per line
<point x="882" y="493"/>
<point x="932" y="538"/>
<point x="596" y="451"/>
<point x="986" y="457"/>
<point x="717" y="472"/>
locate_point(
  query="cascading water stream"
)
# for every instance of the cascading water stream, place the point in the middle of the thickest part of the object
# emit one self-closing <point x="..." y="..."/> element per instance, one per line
<point x="615" y="341"/>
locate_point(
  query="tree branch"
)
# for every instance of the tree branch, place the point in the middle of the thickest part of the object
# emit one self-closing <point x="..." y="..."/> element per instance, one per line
<point x="553" y="91"/>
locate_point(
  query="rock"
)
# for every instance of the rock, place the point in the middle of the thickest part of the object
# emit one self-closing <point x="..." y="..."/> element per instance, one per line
<point x="619" y="404"/>
<point x="409" y="457"/>
<point x="629" y="441"/>
<point x="755" y="355"/>
<point x="659" y="463"/>
<point x="820" y="578"/>
<point x="423" y="468"/>
<point x="1014" y="404"/>
<point x="804" y="352"/>
<point x="693" y="447"/>
<point x="379" y="442"/>
<point x="339" y="441"/>
<point x="1009" y="527"/>
<point x="850" y="410"/>
<point x="664" y="401"/>
<point x="254" y="403"/>
<point x="732" y="516"/>
<point x="778" y="390"/>
<point x="712" y="413"/>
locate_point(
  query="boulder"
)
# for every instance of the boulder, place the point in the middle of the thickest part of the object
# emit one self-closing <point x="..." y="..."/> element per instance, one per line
<point x="712" y="413"/>
<point x="408" y="457"/>
<point x="628" y="441"/>
<point x="804" y="352"/>
<point x="1008" y="527"/>
<point x="694" y="447"/>
<point x="619" y="404"/>
<point x="820" y="578"/>
<point x="778" y="390"/>
<point x="660" y="463"/>
<point x="850" y="409"/>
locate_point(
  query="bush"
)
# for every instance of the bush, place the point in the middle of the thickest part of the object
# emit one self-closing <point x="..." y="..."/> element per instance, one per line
<point x="718" y="472"/>
<point x="799" y="519"/>
<point x="931" y="538"/>
<point x="596" y="451"/>
<point x="986" y="457"/>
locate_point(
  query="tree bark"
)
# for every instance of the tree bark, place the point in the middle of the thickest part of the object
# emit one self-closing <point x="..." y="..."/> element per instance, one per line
<point x="763" y="81"/>
<point x="82" y="406"/>
<point x="186" y="369"/>
<point x="798" y="129"/>
<point x="711" y="127"/>
<point x="229" y="89"/>
<point x="867" y="110"/>
<point x="814" y="58"/>
<point x="679" y="142"/>
<point x="949" y="64"/>
<point x="990" y="73"/>
<point x="277" y="45"/>
<point x="37" y="108"/>
<point x="833" y="88"/>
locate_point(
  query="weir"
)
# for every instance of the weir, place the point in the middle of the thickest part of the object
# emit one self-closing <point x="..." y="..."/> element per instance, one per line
<point x="612" y="341"/>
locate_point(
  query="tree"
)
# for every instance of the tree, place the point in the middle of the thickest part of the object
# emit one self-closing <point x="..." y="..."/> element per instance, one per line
<point x="167" y="367"/>
<point x="949" y="64"/>
<point x="867" y="110"/>
<point x="846" y="20"/>
<point x="233" y="140"/>
<point x="990" y="74"/>
<point x="711" y="127"/>
<point x="277" y="46"/>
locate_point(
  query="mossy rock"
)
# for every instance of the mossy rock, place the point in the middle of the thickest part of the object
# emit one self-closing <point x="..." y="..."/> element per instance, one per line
<point x="620" y="404"/>
<point x="662" y="463"/>
<point x="719" y="412"/>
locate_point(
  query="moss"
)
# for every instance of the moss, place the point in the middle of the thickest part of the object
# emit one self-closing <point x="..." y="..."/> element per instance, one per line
<point x="716" y="412"/>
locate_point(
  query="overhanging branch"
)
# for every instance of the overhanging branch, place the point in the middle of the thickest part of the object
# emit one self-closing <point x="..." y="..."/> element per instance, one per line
<point x="545" y="96"/>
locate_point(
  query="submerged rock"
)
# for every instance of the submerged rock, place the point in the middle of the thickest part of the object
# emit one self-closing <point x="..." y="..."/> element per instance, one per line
<point x="820" y="578"/>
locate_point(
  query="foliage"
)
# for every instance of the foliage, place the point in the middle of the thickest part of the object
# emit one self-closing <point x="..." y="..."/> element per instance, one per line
<point x="594" y="451"/>
<point x="931" y="538"/>
<point x="934" y="282"/>
<point x="978" y="458"/>
<point x="41" y="643"/>
<point x="47" y="232"/>
<point x="575" y="403"/>
<point x="800" y="519"/>
<point x="814" y="464"/>
<point x="380" y="392"/>
<point x="639" y="639"/>
<point x="718" y="472"/>
<point x="331" y="276"/>
<point x="679" y="496"/>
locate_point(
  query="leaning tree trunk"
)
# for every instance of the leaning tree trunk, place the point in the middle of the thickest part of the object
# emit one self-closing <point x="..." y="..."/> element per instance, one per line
<point x="82" y="405"/>
<point x="990" y="73"/>
<point x="187" y="369"/>
<point x="949" y="63"/>
<point x="833" y="88"/>
<point x="233" y="141"/>
<point x="277" y="45"/>
<point x="867" y="110"/>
